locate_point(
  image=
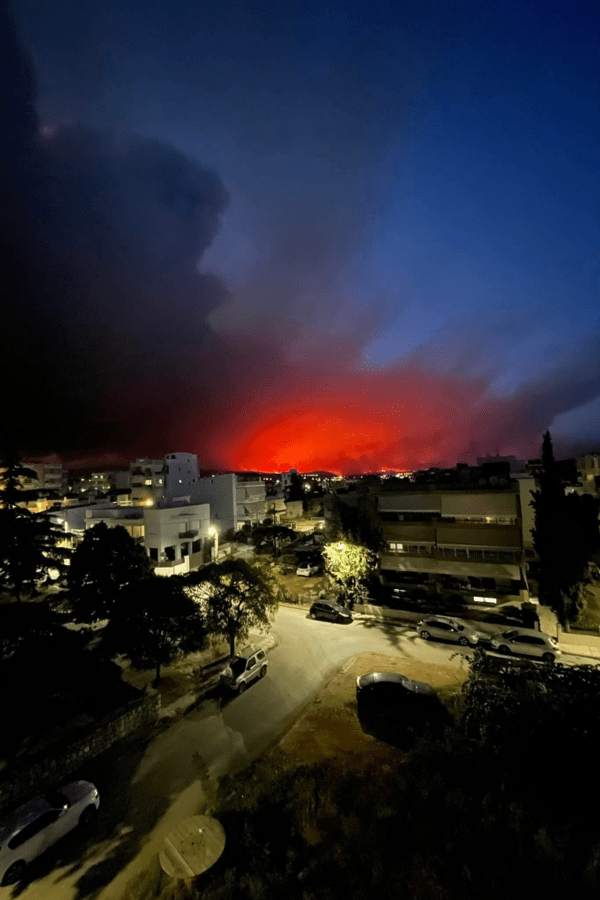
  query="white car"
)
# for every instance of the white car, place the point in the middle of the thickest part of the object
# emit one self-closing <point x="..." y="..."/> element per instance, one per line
<point x="34" y="827"/>
<point x="527" y="642"/>
<point x="308" y="569"/>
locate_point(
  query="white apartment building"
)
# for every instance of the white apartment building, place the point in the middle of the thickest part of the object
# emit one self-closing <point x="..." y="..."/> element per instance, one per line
<point x="131" y="518"/>
<point x="171" y="478"/>
<point x="176" y="535"/>
<point x="147" y="481"/>
<point x="181" y="475"/>
<point x="233" y="501"/>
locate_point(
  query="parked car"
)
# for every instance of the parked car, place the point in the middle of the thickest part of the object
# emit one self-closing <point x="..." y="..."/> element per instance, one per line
<point x="332" y="612"/>
<point x="391" y="706"/>
<point x="445" y="629"/>
<point x="527" y="642"/>
<point x="37" y="825"/>
<point x="244" y="668"/>
<point x="504" y="618"/>
<point x="308" y="569"/>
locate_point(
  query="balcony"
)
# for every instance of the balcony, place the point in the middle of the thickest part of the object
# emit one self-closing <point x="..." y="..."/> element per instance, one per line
<point x="190" y="533"/>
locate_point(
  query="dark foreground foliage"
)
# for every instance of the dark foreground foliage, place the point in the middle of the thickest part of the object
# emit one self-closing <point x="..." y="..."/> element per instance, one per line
<point x="498" y="807"/>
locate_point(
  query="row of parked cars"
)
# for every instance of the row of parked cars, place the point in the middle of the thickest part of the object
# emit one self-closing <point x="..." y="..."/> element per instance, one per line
<point x="519" y="641"/>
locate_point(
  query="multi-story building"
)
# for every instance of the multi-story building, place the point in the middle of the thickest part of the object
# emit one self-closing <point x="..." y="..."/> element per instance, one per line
<point x="177" y="535"/>
<point x="588" y="467"/>
<point x="147" y="481"/>
<point x="131" y="518"/>
<point x="171" y="478"/>
<point x="181" y="475"/>
<point x="452" y="540"/>
<point x="234" y="502"/>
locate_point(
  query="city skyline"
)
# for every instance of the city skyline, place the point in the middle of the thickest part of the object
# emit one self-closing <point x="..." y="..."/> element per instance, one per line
<point x="314" y="236"/>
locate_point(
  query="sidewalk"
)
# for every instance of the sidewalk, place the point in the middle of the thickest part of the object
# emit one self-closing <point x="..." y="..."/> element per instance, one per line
<point x="184" y="684"/>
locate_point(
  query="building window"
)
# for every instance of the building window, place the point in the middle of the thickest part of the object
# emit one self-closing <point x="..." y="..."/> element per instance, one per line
<point x="170" y="553"/>
<point x="475" y="554"/>
<point x="195" y="546"/>
<point x="153" y="553"/>
<point x="185" y="550"/>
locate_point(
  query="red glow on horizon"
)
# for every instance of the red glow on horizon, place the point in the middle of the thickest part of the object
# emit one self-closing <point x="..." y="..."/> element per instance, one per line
<point x="395" y="420"/>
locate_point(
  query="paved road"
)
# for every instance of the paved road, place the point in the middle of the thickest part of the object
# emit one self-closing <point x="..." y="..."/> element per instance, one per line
<point x="145" y="791"/>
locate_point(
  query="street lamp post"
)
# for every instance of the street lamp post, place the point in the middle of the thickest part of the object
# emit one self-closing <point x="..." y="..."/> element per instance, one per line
<point x="214" y="550"/>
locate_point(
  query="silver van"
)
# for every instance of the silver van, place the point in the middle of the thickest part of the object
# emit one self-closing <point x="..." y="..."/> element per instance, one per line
<point x="251" y="663"/>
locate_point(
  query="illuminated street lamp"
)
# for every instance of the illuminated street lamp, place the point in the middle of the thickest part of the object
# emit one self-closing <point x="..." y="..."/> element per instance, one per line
<point x="214" y="533"/>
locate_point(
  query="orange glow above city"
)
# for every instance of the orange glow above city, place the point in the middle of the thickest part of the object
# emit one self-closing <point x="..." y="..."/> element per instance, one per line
<point x="366" y="421"/>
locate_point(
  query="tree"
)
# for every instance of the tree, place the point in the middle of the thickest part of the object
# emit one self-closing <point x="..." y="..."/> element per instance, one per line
<point x="349" y="566"/>
<point x="236" y="596"/>
<point x="354" y="524"/>
<point x="106" y="561"/>
<point x="565" y="537"/>
<point x="154" y="622"/>
<point x="25" y="628"/>
<point x="270" y="537"/>
<point x="29" y="542"/>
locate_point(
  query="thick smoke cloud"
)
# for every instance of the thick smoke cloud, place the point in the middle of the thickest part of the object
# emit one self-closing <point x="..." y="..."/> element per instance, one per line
<point x="113" y="342"/>
<point x="104" y="311"/>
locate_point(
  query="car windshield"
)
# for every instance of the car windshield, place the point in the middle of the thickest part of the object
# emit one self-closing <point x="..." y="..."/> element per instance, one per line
<point x="56" y="800"/>
<point x="510" y="634"/>
<point x="237" y="666"/>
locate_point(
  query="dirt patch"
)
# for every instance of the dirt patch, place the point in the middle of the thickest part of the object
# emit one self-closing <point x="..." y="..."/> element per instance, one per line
<point x="330" y="727"/>
<point x="303" y="589"/>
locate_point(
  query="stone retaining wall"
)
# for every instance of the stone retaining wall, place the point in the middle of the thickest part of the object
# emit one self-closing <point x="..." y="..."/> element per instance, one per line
<point x="26" y="778"/>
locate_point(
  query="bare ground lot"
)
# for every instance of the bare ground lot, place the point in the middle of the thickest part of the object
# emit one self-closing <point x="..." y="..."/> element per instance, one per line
<point x="329" y="728"/>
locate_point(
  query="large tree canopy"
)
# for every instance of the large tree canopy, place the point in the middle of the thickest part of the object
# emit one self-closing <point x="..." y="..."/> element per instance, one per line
<point x="29" y="541"/>
<point x="349" y="567"/>
<point x="355" y="523"/>
<point x="565" y="537"/>
<point x="154" y="622"/>
<point x="106" y="561"/>
<point x="236" y="596"/>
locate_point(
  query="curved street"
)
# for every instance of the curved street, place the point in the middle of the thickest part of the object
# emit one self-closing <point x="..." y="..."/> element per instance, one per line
<point x="146" y="789"/>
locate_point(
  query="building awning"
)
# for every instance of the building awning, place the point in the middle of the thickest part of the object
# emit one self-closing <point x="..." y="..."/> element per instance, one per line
<point x="409" y="532"/>
<point x="427" y="502"/>
<point x="491" y="537"/>
<point x="456" y="568"/>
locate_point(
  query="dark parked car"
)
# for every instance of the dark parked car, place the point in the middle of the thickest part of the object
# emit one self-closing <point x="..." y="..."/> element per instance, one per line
<point x="393" y="707"/>
<point x="507" y="615"/>
<point x="332" y="612"/>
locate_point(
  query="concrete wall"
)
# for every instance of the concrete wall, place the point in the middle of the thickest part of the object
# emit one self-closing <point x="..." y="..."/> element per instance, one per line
<point x="20" y="782"/>
<point x="293" y="509"/>
<point x="220" y="493"/>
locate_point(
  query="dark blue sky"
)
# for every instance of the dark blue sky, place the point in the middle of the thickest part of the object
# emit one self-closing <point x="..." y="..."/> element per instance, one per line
<point x="413" y="194"/>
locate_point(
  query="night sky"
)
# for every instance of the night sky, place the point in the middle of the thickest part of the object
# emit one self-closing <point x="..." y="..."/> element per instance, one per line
<point x="340" y="235"/>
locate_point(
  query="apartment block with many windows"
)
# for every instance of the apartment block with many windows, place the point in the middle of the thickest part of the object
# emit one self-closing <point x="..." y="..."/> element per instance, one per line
<point x="441" y="541"/>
